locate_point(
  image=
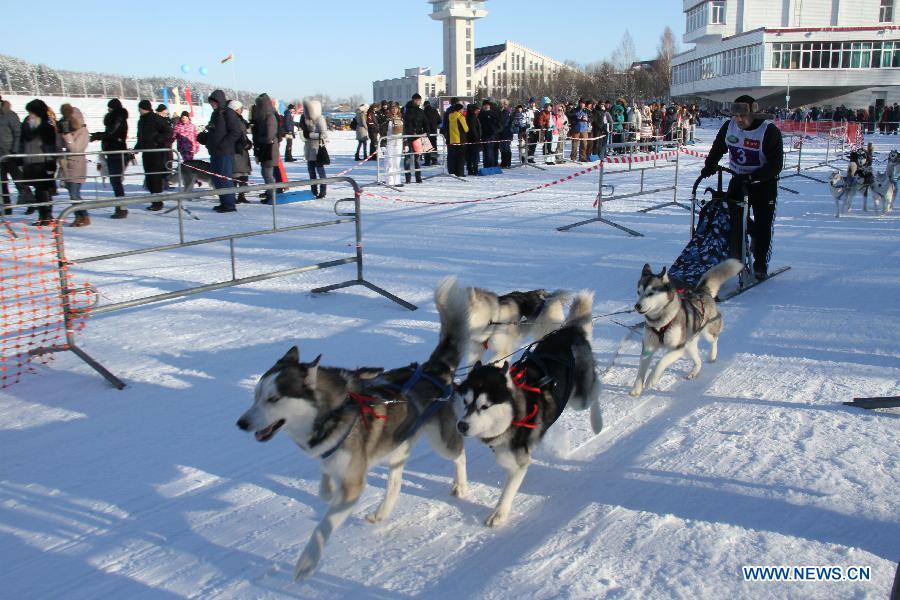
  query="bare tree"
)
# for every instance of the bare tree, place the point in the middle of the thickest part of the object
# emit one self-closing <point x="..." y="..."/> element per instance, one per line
<point x="623" y="56"/>
<point x="666" y="51"/>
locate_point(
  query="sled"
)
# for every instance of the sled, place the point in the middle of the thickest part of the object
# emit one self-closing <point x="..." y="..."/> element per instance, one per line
<point x="291" y="197"/>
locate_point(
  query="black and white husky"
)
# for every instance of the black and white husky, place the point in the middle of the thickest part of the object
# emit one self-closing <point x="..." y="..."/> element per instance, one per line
<point x="510" y="409"/>
<point x="500" y="324"/>
<point x="190" y="175"/>
<point x="355" y="419"/>
<point x="675" y="319"/>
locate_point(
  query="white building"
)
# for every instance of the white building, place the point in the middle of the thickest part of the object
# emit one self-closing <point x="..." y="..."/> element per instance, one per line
<point x="418" y="80"/>
<point x="826" y="52"/>
<point x="502" y="69"/>
<point x="498" y="72"/>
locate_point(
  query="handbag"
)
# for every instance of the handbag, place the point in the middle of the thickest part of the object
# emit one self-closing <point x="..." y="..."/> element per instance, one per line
<point x="322" y="156"/>
<point x="263" y="152"/>
<point x="422" y="145"/>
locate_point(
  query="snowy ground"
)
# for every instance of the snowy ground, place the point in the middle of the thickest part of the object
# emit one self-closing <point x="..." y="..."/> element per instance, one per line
<point x="152" y="492"/>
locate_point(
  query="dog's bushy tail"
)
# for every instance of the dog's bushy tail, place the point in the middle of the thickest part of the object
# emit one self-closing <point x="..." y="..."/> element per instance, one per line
<point x="713" y="279"/>
<point x="552" y="315"/>
<point x="581" y="313"/>
<point x="452" y="303"/>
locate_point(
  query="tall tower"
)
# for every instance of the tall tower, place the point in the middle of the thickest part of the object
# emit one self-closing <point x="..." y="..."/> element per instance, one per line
<point x="458" y="17"/>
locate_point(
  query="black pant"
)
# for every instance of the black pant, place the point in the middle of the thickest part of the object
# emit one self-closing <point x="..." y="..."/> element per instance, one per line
<point x="762" y="206"/>
<point x="456" y="160"/>
<point x="288" y="145"/>
<point x="432" y="157"/>
<point x="362" y="145"/>
<point x="488" y="149"/>
<point x="472" y="156"/>
<point x="115" y="166"/>
<point x="532" y="143"/>
<point x="317" y="171"/>
<point x="505" y="152"/>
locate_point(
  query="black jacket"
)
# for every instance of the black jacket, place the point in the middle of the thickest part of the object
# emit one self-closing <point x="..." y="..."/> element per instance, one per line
<point x="153" y="131"/>
<point x="432" y="120"/>
<point x="413" y="119"/>
<point x="490" y="124"/>
<point x="772" y="149"/>
<point x="115" y="130"/>
<point x="224" y="128"/>
<point x="474" y="124"/>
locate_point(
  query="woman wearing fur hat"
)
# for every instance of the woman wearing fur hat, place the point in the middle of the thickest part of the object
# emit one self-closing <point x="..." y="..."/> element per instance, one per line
<point x="265" y="140"/>
<point x="241" y="170"/>
<point x="186" y="137"/>
<point x="39" y="136"/>
<point x="75" y="139"/>
<point x="362" y="131"/>
<point x="112" y="139"/>
<point x="315" y="130"/>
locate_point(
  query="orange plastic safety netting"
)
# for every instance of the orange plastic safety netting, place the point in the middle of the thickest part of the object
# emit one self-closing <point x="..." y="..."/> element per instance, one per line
<point x="32" y="302"/>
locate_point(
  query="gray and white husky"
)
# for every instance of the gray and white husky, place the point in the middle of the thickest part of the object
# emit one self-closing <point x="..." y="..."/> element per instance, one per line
<point x="844" y="190"/>
<point x="884" y="188"/>
<point x="510" y="409"/>
<point x="893" y="165"/>
<point x="501" y="323"/>
<point x="355" y="419"/>
<point x="675" y="319"/>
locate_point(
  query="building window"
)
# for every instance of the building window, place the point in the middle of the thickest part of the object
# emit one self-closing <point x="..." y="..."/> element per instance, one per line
<point x="468" y="32"/>
<point x="696" y="17"/>
<point x="468" y="45"/>
<point x="836" y="55"/>
<point x="718" y="12"/>
<point x="886" y="13"/>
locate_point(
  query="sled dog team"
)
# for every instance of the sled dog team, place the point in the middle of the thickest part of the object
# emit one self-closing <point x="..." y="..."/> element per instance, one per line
<point x="355" y="419"/>
<point x="861" y="178"/>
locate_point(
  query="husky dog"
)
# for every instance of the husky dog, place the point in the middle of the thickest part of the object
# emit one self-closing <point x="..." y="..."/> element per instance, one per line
<point x="500" y="323"/>
<point x="353" y="420"/>
<point x="510" y="410"/>
<point x="676" y="320"/>
<point x="893" y="165"/>
<point x="844" y="190"/>
<point x="189" y="176"/>
<point x="885" y="189"/>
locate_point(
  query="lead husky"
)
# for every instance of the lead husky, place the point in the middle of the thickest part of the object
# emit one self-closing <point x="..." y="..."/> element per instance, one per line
<point x="501" y="323"/>
<point x="675" y="321"/>
<point x="844" y="190"/>
<point x="511" y="410"/>
<point x="353" y="420"/>
<point x="885" y="189"/>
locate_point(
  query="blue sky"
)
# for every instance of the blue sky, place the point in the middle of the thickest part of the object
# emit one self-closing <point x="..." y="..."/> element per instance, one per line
<point x="306" y="47"/>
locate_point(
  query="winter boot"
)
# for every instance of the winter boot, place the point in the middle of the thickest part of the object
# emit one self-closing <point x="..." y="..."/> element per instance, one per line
<point x="121" y="213"/>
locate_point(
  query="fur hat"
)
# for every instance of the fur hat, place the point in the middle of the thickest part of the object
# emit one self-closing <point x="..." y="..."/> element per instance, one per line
<point x="235" y="105"/>
<point x="145" y="105"/>
<point x="115" y="104"/>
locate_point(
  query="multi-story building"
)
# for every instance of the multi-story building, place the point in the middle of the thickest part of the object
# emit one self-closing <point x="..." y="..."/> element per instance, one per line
<point x="417" y="80"/>
<point x="502" y="69"/>
<point x="825" y="52"/>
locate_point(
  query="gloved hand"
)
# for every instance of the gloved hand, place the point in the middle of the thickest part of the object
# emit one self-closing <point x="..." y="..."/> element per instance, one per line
<point x="707" y="172"/>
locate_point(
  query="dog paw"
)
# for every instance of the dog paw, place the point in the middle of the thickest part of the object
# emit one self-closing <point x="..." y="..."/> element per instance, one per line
<point x="374" y="518"/>
<point x="459" y="490"/>
<point x="636" y="391"/>
<point x="496" y="519"/>
<point x="692" y="375"/>
<point x="306" y="566"/>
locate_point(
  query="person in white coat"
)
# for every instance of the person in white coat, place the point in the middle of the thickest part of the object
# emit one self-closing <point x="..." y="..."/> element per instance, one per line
<point x="394" y="149"/>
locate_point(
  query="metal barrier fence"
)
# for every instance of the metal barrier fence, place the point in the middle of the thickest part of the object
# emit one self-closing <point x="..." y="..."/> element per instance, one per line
<point x="631" y="157"/>
<point x="71" y="314"/>
<point x="9" y="163"/>
<point x="396" y="160"/>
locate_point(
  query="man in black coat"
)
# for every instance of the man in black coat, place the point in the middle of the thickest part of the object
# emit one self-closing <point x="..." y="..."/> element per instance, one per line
<point x="222" y="134"/>
<point x="490" y="133"/>
<point x="755" y="152"/>
<point x="414" y="123"/>
<point x="432" y="124"/>
<point x="112" y="139"/>
<point x="154" y="133"/>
